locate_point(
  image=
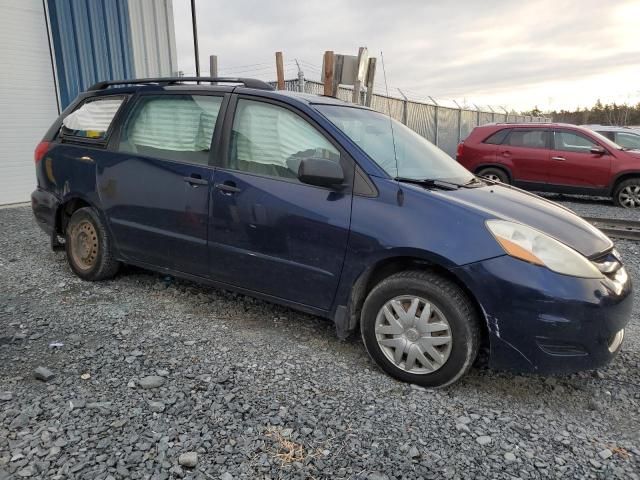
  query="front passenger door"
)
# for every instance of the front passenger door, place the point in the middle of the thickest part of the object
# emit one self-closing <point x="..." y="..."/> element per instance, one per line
<point x="269" y="232"/>
<point x="574" y="166"/>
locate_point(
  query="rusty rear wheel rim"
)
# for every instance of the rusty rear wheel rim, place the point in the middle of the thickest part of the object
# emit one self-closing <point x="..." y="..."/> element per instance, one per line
<point x="84" y="245"/>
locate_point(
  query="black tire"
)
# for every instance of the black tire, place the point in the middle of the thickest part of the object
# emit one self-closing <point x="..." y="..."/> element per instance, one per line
<point x="448" y="298"/>
<point x="627" y="193"/>
<point x="93" y="260"/>
<point x="494" y="174"/>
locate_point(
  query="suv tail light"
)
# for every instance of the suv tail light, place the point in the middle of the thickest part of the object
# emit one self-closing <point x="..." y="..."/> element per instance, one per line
<point x="41" y="149"/>
<point x="459" y="151"/>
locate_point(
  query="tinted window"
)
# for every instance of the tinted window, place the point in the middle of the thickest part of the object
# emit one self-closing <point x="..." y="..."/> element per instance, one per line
<point x="498" y="137"/>
<point x="572" y="142"/>
<point x="173" y="127"/>
<point x="628" y="140"/>
<point x="607" y="134"/>
<point x="534" y="138"/>
<point x="92" y="119"/>
<point x="270" y="140"/>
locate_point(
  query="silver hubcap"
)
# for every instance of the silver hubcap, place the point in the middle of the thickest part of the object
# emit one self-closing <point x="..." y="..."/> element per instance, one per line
<point x="413" y="334"/>
<point x="630" y="196"/>
<point x="493" y="177"/>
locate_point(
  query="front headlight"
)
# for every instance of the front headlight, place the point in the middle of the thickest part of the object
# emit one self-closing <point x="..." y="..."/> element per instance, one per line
<point x="535" y="247"/>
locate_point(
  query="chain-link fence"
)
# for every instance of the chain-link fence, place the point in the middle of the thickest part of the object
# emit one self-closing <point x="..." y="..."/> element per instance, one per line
<point x="443" y="126"/>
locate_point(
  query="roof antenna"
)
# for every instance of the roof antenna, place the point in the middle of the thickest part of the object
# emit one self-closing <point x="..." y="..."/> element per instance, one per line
<point x="393" y="138"/>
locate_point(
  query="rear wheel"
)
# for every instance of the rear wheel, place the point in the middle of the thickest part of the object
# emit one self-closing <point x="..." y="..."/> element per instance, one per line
<point x="421" y="328"/>
<point x="88" y="246"/>
<point x="494" y="174"/>
<point x="627" y="194"/>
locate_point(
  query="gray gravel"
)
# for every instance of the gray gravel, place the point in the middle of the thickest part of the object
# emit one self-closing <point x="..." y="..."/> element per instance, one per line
<point x="253" y="390"/>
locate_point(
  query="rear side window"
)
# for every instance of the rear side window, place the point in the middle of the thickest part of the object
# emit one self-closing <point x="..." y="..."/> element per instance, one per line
<point x="172" y="127"/>
<point x="498" y="137"/>
<point x="92" y="119"/>
<point x="270" y="140"/>
<point x="532" y="138"/>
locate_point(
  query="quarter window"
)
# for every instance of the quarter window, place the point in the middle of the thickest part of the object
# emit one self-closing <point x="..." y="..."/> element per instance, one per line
<point x="270" y="140"/>
<point x="533" y="138"/>
<point x="92" y="119"/>
<point x="498" y="137"/>
<point x="172" y="127"/>
<point x="572" y="142"/>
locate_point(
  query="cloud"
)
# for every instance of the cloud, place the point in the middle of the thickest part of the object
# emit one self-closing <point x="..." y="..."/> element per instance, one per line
<point x="458" y="49"/>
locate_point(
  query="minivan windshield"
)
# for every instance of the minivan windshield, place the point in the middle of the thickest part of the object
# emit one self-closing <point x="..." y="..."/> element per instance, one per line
<point x="417" y="158"/>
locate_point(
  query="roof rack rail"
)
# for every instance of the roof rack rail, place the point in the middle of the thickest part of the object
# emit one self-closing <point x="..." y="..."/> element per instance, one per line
<point x="247" y="82"/>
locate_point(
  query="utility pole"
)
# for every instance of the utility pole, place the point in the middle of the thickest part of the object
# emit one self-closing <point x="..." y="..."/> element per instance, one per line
<point x="300" y="77"/>
<point x="371" y="75"/>
<point x="357" y="85"/>
<point x="435" y="123"/>
<point x="213" y="65"/>
<point x="280" y="70"/>
<point x="195" y="36"/>
<point x="405" y="103"/>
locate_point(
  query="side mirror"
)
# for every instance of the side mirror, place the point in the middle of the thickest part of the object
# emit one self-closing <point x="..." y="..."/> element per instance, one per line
<point x="598" y="151"/>
<point x="320" y="172"/>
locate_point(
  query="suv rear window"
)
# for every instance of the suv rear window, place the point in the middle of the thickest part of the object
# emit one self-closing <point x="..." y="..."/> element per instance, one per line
<point x="532" y="138"/>
<point x="498" y="137"/>
<point x="92" y="119"/>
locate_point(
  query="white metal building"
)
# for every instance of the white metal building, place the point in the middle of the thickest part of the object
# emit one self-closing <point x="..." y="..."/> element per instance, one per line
<point x="54" y="49"/>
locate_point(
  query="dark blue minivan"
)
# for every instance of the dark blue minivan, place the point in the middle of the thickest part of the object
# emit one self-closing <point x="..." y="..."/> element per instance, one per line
<point x="335" y="210"/>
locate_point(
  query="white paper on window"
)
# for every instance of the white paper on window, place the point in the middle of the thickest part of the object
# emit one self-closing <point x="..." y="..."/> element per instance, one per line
<point x="94" y="116"/>
<point x="179" y="124"/>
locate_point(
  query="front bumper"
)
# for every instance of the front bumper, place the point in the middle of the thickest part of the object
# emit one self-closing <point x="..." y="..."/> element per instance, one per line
<point x="541" y="321"/>
<point x="45" y="206"/>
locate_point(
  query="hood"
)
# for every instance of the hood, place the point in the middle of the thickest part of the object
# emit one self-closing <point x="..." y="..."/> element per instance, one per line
<point x="513" y="204"/>
<point x="635" y="154"/>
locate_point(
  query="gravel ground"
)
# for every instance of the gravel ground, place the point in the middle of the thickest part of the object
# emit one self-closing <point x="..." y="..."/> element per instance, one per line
<point x="157" y="378"/>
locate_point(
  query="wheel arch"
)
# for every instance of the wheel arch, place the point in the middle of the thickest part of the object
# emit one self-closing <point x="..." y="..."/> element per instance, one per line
<point x="499" y="166"/>
<point x="388" y="266"/>
<point x="621" y="177"/>
<point x="66" y="208"/>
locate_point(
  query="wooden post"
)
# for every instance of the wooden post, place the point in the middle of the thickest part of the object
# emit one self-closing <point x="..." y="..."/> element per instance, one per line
<point x="371" y="75"/>
<point x="338" y="67"/>
<point x="213" y="65"/>
<point x="328" y="73"/>
<point x="280" y="70"/>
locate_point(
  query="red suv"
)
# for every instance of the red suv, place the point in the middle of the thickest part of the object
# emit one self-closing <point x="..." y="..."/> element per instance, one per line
<point x="553" y="157"/>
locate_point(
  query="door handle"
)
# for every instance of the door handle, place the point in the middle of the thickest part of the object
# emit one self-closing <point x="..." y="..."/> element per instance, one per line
<point x="506" y="153"/>
<point x="195" y="180"/>
<point x="227" y="187"/>
<point x="558" y="159"/>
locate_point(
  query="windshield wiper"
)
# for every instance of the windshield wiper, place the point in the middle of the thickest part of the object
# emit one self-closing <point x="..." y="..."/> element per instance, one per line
<point x="431" y="182"/>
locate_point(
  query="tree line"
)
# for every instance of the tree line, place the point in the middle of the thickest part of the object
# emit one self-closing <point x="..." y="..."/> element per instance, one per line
<point x="603" y="114"/>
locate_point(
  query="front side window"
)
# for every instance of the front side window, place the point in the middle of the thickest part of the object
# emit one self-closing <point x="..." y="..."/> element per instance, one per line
<point x="384" y="140"/>
<point x="628" y="140"/>
<point x="572" y="142"/>
<point x="92" y="119"/>
<point x="532" y="138"/>
<point x="172" y="127"/>
<point x="270" y="140"/>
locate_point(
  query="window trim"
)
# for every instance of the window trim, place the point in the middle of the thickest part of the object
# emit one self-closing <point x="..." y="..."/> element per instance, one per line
<point x="579" y="134"/>
<point x="222" y="157"/>
<point x="547" y="145"/>
<point x="96" y="142"/>
<point x="114" y="145"/>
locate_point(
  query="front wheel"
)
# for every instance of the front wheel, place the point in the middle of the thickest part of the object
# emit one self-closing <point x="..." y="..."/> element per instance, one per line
<point x="421" y="328"/>
<point x="88" y="246"/>
<point x="627" y="194"/>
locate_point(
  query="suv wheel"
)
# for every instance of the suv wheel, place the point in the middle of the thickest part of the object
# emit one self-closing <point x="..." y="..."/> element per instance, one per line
<point x="88" y="246"/>
<point x="421" y="328"/>
<point x="627" y="194"/>
<point x="494" y="174"/>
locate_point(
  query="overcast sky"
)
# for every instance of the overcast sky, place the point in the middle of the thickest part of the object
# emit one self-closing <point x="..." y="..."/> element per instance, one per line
<point x="549" y="53"/>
